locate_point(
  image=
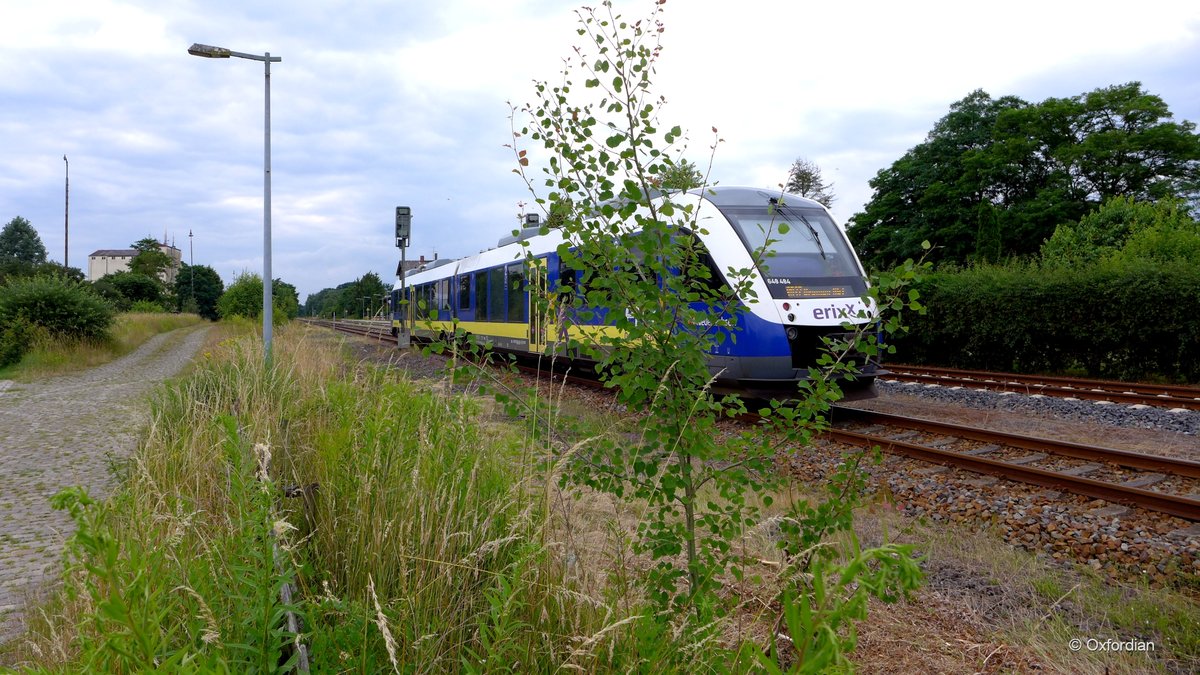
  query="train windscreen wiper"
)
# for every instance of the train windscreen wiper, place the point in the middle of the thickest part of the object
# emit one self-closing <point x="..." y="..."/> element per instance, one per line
<point x="792" y="214"/>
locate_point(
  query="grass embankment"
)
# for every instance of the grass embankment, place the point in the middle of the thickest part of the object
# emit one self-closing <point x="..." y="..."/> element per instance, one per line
<point x="55" y="356"/>
<point x="422" y="539"/>
<point x="420" y="543"/>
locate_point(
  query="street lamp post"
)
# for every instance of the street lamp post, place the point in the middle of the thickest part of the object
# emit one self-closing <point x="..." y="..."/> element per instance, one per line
<point x="66" y="214"/>
<point x="192" y="266"/>
<point x="210" y="52"/>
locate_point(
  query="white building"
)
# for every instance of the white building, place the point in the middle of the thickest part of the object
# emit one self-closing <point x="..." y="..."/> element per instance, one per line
<point x="110" y="261"/>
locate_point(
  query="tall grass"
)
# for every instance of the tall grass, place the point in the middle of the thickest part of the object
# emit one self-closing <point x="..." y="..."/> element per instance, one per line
<point x="413" y="540"/>
<point x="422" y="537"/>
<point x="56" y="355"/>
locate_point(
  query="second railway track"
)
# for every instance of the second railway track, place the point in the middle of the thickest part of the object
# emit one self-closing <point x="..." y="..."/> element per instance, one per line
<point x="1161" y="395"/>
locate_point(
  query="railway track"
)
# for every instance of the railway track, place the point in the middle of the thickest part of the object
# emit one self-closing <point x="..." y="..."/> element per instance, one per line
<point x="1060" y="465"/>
<point x="377" y="329"/>
<point x="1161" y="395"/>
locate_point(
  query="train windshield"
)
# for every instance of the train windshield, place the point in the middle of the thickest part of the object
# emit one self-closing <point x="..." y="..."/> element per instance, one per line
<point x="806" y="254"/>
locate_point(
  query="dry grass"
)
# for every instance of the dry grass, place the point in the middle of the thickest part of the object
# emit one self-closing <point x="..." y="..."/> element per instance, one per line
<point x="989" y="607"/>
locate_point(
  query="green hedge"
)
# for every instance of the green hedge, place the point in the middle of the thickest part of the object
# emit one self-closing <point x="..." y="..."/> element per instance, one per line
<point x="1133" y="320"/>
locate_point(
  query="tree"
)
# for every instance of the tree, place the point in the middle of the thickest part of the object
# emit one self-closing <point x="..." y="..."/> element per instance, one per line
<point x="12" y="268"/>
<point x="244" y="298"/>
<point x="804" y="179"/>
<point x="284" y="299"/>
<point x="201" y="285"/>
<point x="353" y="298"/>
<point x="133" y="287"/>
<point x="995" y="177"/>
<point x="324" y="302"/>
<point x="19" y="242"/>
<point x="637" y="261"/>
<point x="925" y="195"/>
<point x="149" y="259"/>
<point x="1126" y="228"/>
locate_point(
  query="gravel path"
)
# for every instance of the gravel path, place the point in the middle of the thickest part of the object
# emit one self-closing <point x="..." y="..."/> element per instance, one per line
<point x="61" y="432"/>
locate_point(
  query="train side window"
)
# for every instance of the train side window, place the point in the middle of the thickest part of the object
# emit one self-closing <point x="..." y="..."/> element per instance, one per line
<point x="464" y="292"/>
<point x="701" y="258"/>
<point x="443" y="294"/>
<point x="568" y="279"/>
<point x="421" y="295"/>
<point x="481" y="296"/>
<point x="576" y="280"/>
<point x="515" y="284"/>
<point x="496" y="295"/>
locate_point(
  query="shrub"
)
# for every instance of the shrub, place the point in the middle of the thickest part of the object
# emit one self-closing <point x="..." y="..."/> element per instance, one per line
<point x="104" y="288"/>
<point x="63" y="307"/>
<point x="15" y="339"/>
<point x="146" y="307"/>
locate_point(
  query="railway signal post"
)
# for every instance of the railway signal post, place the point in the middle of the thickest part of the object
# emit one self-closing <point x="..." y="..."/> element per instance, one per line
<point x="403" y="231"/>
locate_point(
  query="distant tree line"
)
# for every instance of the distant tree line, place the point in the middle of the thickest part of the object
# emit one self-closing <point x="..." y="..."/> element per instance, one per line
<point x="353" y="299"/>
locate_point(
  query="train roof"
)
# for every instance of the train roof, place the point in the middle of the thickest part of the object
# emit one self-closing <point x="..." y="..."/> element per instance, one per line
<point x="510" y="248"/>
<point x="741" y="196"/>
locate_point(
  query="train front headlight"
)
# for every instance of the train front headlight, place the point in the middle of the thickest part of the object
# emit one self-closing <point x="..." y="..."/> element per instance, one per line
<point x="792" y="333"/>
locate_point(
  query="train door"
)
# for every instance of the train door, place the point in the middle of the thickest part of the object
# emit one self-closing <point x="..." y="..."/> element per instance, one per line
<point x="539" y="311"/>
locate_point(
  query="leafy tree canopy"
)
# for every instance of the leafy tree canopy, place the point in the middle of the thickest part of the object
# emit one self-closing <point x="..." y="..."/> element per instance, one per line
<point x="348" y="300"/>
<point x="285" y="299"/>
<point x="149" y="259"/>
<point x="1125" y="228"/>
<point x="244" y="298"/>
<point x="804" y="179"/>
<point x="19" y="242"/>
<point x="12" y="268"/>
<point x="995" y="177"/>
<point x="197" y="288"/>
<point x="132" y="287"/>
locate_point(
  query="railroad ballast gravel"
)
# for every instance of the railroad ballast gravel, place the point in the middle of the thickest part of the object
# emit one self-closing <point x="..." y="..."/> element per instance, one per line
<point x="1099" y="412"/>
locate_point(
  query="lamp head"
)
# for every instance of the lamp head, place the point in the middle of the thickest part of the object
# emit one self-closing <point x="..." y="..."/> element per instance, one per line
<point x="208" y="51"/>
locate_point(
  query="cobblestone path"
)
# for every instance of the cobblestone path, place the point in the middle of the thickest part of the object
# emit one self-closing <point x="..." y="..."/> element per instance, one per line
<point x="61" y="432"/>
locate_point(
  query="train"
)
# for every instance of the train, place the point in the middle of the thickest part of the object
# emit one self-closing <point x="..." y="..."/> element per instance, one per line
<point x="813" y="284"/>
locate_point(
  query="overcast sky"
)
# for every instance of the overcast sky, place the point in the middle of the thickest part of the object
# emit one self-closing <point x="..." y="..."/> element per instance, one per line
<point x="380" y="103"/>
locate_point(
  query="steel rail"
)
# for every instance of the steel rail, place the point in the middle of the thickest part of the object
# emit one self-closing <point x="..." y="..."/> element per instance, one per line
<point x="379" y="330"/>
<point x="1126" y="458"/>
<point x="1183" y="507"/>
<point x="1156" y="395"/>
<point x="1180" y="390"/>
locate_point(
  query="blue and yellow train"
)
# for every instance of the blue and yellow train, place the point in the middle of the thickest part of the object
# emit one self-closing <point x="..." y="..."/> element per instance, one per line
<point x="814" y="283"/>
